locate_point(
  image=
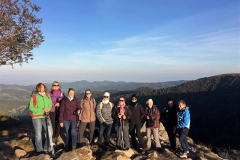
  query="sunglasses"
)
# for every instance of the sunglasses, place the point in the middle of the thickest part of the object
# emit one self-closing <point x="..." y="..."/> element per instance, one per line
<point x="105" y="96"/>
<point x="121" y="100"/>
<point x="56" y="85"/>
<point x="88" y="93"/>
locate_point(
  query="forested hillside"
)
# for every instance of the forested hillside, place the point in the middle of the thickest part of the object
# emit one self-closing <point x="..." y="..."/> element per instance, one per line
<point x="214" y="106"/>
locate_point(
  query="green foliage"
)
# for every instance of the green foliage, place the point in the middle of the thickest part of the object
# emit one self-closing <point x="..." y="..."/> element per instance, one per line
<point x="19" y="31"/>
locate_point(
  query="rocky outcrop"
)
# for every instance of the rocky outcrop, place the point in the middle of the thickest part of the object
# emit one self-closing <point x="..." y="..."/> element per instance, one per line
<point x="23" y="149"/>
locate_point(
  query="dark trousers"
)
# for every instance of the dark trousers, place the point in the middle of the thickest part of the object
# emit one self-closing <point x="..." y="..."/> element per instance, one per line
<point x="55" y="123"/>
<point x="82" y="127"/>
<point x="134" y="130"/>
<point x="123" y="134"/>
<point x="172" y="136"/>
<point x="183" y="132"/>
<point x="107" y="130"/>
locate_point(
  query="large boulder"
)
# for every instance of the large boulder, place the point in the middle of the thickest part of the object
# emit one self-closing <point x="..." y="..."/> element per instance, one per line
<point x="84" y="153"/>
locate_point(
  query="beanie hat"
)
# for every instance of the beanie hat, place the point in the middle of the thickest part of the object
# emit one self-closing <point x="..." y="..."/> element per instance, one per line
<point x="134" y="95"/>
<point x="106" y="94"/>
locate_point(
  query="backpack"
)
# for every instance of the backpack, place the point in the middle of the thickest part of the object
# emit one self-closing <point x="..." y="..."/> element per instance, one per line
<point x="35" y="103"/>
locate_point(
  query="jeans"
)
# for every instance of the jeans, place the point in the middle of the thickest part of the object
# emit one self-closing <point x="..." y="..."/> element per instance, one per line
<point x="183" y="132"/>
<point x="107" y="130"/>
<point x="183" y="141"/>
<point x="38" y="123"/>
<point x="73" y="135"/>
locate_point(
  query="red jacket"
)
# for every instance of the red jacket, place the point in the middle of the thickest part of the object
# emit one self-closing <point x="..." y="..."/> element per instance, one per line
<point x="68" y="110"/>
<point x="154" y="114"/>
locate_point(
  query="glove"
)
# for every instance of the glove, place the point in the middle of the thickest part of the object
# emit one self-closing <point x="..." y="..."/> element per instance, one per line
<point x="104" y="124"/>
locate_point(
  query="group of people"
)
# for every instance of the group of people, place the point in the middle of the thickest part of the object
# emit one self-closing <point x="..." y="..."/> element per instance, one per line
<point x="74" y="115"/>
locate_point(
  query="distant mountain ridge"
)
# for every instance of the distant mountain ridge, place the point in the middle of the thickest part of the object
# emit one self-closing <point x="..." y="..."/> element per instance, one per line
<point x="213" y="102"/>
<point x="14" y="97"/>
<point x="214" y="106"/>
<point x="80" y="86"/>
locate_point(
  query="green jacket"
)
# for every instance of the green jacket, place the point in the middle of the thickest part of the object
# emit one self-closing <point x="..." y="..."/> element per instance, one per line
<point x="41" y="103"/>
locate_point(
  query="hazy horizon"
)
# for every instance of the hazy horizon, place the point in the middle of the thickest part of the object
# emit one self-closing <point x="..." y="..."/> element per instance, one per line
<point x="33" y="83"/>
<point x="137" y="41"/>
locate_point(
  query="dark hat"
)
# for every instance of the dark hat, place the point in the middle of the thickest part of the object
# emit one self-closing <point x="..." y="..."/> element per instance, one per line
<point x="169" y="99"/>
<point x="134" y="95"/>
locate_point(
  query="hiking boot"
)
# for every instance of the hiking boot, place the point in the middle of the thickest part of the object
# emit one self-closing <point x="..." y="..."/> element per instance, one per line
<point x="100" y="150"/>
<point x="67" y="149"/>
<point x="144" y="150"/>
<point x="174" y="151"/>
<point x="106" y="145"/>
<point x="159" y="149"/>
<point x="78" y="145"/>
<point x="184" y="155"/>
<point x="118" y="148"/>
<point x="73" y="148"/>
<point x="41" y="152"/>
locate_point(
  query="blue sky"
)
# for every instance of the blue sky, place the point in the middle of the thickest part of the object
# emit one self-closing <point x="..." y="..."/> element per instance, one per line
<point x="133" y="41"/>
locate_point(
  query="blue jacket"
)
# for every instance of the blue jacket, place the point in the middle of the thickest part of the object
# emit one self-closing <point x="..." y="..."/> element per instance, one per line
<point x="183" y="118"/>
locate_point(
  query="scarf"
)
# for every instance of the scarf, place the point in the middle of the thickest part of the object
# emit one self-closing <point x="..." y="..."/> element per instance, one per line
<point x="134" y="104"/>
<point x="122" y="110"/>
<point x="105" y="101"/>
<point x="42" y="93"/>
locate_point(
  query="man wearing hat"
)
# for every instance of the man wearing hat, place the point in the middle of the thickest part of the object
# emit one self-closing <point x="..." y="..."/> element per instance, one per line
<point x="135" y="123"/>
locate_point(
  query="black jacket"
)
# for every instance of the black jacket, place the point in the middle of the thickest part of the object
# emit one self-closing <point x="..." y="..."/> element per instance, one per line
<point x="116" y="111"/>
<point x="137" y="114"/>
<point x="169" y="116"/>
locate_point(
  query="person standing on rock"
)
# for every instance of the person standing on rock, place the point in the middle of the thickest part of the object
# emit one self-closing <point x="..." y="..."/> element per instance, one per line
<point x="183" y="121"/>
<point x="56" y="95"/>
<point x="152" y="124"/>
<point x="169" y="120"/>
<point x="121" y="115"/>
<point x="87" y="115"/>
<point x="39" y="106"/>
<point x="67" y="118"/>
<point x="135" y="123"/>
<point x="104" y="115"/>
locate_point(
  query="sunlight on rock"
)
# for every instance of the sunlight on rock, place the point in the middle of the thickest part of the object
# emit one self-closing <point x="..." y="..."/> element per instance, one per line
<point x="5" y="133"/>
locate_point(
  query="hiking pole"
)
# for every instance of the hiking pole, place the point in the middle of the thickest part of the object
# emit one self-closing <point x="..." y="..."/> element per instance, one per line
<point x="122" y="142"/>
<point x="49" y="136"/>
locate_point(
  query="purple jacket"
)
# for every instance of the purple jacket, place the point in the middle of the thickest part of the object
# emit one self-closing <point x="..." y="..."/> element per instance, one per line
<point x="56" y="96"/>
<point x="67" y="109"/>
